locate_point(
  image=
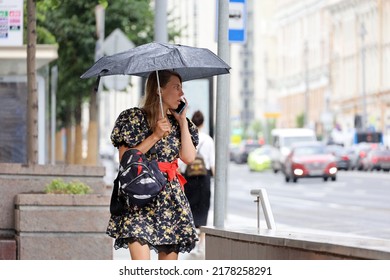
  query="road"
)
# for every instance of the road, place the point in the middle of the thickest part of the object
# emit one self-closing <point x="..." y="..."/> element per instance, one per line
<point x="357" y="203"/>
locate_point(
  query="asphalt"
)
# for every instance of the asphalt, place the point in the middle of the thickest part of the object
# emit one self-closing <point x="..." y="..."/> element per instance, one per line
<point x="196" y="254"/>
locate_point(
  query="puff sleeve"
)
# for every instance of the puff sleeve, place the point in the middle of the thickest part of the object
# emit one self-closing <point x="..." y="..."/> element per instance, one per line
<point x="130" y="128"/>
<point x="194" y="132"/>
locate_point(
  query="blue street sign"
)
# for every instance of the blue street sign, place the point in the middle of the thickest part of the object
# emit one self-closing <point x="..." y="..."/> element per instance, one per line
<point x="237" y="21"/>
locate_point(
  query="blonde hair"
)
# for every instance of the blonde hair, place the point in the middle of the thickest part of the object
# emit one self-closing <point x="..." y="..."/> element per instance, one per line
<point x="151" y="102"/>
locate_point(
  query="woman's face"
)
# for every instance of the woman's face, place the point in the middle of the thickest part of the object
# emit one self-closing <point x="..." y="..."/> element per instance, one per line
<point x="172" y="92"/>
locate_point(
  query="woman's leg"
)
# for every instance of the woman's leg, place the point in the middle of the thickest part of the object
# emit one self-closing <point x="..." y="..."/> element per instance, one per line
<point x="170" y="256"/>
<point x="139" y="251"/>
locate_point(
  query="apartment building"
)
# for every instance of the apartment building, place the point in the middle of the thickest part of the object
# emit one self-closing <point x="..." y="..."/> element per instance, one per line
<point x="324" y="61"/>
<point x="333" y="64"/>
<point x="360" y="64"/>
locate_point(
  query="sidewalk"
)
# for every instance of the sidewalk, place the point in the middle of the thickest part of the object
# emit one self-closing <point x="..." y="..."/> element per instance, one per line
<point x="124" y="254"/>
<point x="231" y="221"/>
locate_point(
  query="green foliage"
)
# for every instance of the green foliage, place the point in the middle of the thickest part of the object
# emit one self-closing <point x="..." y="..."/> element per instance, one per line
<point x="256" y="127"/>
<point x="300" y="120"/>
<point x="44" y="36"/>
<point x="135" y="18"/>
<point x="271" y="124"/>
<point x="58" y="186"/>
<point x="72" y="25"/>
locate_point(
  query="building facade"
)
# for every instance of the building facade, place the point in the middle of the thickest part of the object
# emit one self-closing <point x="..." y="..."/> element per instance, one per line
<point x="360" y="64"/>
<point x="323" y="64"/>
<point x="302" y="63"/>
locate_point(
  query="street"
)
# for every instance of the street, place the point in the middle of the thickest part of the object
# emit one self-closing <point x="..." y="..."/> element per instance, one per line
<point x="357" y="203"/>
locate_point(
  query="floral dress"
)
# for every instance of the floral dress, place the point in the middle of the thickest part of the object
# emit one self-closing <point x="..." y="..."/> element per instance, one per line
<point x="165" y="224"/>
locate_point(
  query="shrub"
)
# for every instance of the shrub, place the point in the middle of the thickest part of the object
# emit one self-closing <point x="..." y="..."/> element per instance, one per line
<point x="58" y="186"/>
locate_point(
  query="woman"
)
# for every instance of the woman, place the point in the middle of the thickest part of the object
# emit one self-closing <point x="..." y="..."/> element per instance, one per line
<point x="165" y="224"/>
<point x="198" y="188"/>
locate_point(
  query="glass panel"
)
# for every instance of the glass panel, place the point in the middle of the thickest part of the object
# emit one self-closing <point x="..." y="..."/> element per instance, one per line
<point x="13" y="123"/>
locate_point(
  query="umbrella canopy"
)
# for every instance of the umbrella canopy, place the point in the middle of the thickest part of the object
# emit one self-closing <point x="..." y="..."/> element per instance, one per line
<point x="189" y="62"/>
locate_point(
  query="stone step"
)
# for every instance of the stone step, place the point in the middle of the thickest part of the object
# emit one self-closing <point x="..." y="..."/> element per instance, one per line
<point x="7" y="249"/>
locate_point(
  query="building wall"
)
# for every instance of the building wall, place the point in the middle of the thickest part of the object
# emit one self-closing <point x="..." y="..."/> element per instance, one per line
<point x="302" y="61"/>
<point x="305" y="56"/>
<point x="359" y="65"/>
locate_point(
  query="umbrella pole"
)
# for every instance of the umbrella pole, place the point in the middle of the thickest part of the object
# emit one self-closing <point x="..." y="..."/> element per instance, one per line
<point x="159" y="94"/>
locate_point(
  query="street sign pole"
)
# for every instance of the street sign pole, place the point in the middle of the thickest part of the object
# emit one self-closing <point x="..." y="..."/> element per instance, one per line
<point x="237" y="21"/>
<point x="222" y="118"/>
<point x="231" y="28"/>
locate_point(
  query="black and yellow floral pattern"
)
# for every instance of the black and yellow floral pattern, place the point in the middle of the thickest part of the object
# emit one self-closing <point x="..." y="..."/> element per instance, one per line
<point x="165" y="224"/>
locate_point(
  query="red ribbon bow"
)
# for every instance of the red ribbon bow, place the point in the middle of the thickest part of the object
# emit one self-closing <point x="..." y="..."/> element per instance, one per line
<point x="171" y="168"/>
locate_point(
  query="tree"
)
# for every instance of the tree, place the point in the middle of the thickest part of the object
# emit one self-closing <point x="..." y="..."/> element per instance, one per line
<point x="72" y="24"/>
<point x="300" y="120"/>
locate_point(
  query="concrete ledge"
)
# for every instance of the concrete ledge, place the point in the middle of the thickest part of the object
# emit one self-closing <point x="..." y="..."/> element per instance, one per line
<point x="61" y="213"/>
<point x="51" y="170"/>
<point x="277" y="245"/>
<point x="64" y="246"/>
<point x="35" y="199"/>
<point x="7" y="249"/>
<point x="17" y="178"/>
<point x="61" y="226"/>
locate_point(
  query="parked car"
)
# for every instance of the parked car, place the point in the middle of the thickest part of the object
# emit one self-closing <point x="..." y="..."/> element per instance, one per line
<point x="241" y="154"/>
<point x="353" y="155"/>
<point x="309" y="160"/>
<point x="362" y="149"/>
<point x="343" y="161"/>
<point x="384" y="160"/>
<point x="377" y="159"/>
<point x="260" y="158"/>
<point x="233" y="150"/>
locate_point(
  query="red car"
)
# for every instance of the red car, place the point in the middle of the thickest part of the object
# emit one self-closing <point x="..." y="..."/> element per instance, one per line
<point x="310" y="160"/>
<point x="362" y="150"/>
<point x="378" y="159"/>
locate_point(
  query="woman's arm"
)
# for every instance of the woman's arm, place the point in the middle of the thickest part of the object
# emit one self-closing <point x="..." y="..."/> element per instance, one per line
<point x="163" y="126"/>
<point x="188" y="150"/>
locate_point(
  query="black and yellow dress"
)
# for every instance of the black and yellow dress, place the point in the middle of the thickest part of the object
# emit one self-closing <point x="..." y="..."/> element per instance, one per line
<point x="165" y="224"/>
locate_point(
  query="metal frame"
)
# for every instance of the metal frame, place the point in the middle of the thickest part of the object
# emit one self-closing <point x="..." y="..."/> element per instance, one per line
<point x="262" y="197"/>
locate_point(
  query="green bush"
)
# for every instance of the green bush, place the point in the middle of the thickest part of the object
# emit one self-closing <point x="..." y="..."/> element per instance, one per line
<point x="58" y="186"/>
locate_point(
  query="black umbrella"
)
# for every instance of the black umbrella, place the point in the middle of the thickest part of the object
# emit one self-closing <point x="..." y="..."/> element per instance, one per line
<point x="189" y="62"/>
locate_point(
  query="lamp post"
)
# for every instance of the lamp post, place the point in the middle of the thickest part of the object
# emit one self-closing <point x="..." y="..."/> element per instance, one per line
<point x="306" y="67"/>
<point x="222" y="117"/>
<point x="160" y="22"/>
<point x="306" y="62"/>
<point x="363" y="33"/>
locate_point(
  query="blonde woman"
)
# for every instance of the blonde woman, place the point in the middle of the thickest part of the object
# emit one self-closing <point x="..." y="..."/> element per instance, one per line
<point x="165" y="225"/>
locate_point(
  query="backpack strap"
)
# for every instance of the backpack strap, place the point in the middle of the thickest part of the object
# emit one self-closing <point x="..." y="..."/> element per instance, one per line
<point x="116" y="204"/>
<point x="153" y="152"/>
<point x="200" y="145"/>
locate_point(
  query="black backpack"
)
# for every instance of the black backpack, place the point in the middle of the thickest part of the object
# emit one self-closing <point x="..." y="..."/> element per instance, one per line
<point x="197" y="167"/>
<point x="138" y="182"/>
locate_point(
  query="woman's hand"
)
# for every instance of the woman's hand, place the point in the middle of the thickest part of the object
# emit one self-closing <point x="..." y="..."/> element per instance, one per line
<point x="163" y="128"/>
<point x="181" y="118"/>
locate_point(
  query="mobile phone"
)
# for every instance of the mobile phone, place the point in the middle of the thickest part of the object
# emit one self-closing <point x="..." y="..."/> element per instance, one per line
<point x="181" y="107"/>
